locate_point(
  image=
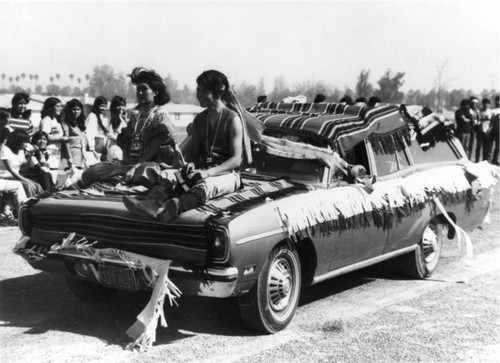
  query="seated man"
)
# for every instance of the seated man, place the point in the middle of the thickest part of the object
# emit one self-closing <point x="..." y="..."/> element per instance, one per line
<point x="216" y="150"/>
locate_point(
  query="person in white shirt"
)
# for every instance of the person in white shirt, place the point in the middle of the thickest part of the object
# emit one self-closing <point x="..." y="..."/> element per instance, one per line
<point x="50" y="124"/>
<point x="98" y="127"/>
<point x="118" y="122"/>
<point x="17" y="153"/>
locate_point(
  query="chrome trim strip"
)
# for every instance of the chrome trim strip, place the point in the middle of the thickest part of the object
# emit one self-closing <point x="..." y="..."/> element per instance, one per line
<point x="260" y="235"/>
<point x="229" y="272"/>
<point x="362" y="264"/>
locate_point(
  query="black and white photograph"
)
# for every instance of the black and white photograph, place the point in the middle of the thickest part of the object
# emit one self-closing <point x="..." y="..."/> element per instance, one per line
<point x="249" y="181"/>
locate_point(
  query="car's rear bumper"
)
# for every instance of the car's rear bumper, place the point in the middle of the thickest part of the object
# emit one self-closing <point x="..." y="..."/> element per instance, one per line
<point x="218" y="282"/>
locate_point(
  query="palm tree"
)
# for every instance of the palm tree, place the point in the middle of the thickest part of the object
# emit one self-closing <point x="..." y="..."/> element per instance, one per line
<point x="79" y="80"/>
<point x="17" y="79"/>
<point x="11" y="79"/>
<point x="3" y="80"/>
<point x="23" y="76"/>
<point x="36" y="79"/>
<point x="58" y="76"/>
<point x="31" y="79"/>
<point x="87" y="77"/>
<point x="51" y="79"/>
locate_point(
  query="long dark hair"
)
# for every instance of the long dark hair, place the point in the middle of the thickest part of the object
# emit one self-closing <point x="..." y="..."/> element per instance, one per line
<point x="37" y="136"/>
<point x="48" y="107"/>
<point x="154" y="81"/>
<point x="100" y="100"/>
<point x="16" y="139"/>
<point x="80" y="121"/>
<point x="18" y="97"/>
<point x="216" y="82"/>
<point x="113" y="110"/>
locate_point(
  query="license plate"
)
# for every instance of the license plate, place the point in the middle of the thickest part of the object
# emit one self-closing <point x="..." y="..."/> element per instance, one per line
<point x="118" y="278"/>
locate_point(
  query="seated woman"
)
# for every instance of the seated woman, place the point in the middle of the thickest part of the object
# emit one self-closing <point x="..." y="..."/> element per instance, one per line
<point x="16" y="153"/>
<point x="216" y="149"/>
<point x="73" y="124"/>
<point x="148" y="136"/>
<point x="37" y="167"/>
<point x="118" y="122"/>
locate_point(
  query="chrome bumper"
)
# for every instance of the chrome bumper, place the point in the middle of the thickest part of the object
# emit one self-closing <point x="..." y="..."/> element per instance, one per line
<point x="213" y="282"/>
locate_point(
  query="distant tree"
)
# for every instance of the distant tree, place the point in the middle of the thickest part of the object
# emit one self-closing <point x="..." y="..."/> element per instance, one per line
<point x="389" y="85"/>
<point x="280" y="89"/>
<point x="247" y="94"/>
<point x="3" y="80"/>
<point x="188" y="96"/>
<point x="87" y="77"/>
<point x="39" y="89"/>
<point x="71" y="77"/>
<point x="79" y="80"/>
<point x="261" y="89"/>
<point x="53" y="90"/>
<point x="172" y="87"/>
<point x="23" y="76"/>
<point x="105" y="82"/>
<point x="58" y="77"/>
<point x="363" y="87"/>
<point x="77" y="92"/>
<point x="11" y="79"/>
<point x="36" y="78"/>
<point x="441" y="85"/>
<point x="51" y="79"/>
<point x="17" y="79"/>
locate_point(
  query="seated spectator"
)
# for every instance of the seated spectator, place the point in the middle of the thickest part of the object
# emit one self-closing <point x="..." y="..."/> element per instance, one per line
<point x="118" y="123"/>
<point x="16" y="153"/>
<point x="37" y="166"/>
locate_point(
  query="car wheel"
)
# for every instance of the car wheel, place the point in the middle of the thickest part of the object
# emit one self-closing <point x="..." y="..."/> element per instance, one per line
<point x="87" y="290"/>
<point x="271" y="303"/>
<point x="422" y="262"/>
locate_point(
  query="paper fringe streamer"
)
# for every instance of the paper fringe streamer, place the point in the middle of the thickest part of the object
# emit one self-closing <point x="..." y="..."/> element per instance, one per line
<point x="155" y="271"/>
<point x="324" y="211"/>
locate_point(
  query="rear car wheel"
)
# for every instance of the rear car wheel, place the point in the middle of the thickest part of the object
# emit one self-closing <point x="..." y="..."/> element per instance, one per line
<point x="271" y="303"/>
<point x="422" y="262"/>
<point x="87" y="290"/>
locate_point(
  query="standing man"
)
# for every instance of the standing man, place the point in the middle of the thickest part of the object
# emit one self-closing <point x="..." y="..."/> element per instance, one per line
<point x="495" y="131"/>
<point x="463" y="119"/>
<point x="483" y="131"/>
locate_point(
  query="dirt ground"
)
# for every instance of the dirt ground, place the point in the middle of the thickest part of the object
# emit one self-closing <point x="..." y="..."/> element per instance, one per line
<point x="373" y="315"/>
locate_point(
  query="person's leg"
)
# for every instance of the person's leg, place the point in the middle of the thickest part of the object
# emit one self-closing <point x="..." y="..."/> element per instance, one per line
<point x="103" y="171"/>
<point x="149" y="206"/>
<point x="495" y="138"/>
<point x="199" y="194"/>
<point x="14" y="188"/>
<point x="479" y="146"/>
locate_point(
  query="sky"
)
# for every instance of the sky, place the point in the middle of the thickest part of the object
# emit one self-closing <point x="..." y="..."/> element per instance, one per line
<point x="317" y="41"/>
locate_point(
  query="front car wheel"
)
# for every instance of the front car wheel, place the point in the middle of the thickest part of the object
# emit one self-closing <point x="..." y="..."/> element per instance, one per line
<point x="271" y="303"/>
<point x="422" y="262"/>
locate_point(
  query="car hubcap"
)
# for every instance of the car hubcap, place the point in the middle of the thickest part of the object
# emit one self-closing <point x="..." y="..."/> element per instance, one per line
<point x="279" y="286"/>
<point x="430" y="243"/>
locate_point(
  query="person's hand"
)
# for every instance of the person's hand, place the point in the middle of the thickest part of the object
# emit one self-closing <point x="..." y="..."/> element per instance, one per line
<point x="28" y="148"/>
<point x="198" y="174"/>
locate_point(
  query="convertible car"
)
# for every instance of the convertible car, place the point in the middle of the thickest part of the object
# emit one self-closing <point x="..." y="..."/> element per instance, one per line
<point x="333" y="188"/>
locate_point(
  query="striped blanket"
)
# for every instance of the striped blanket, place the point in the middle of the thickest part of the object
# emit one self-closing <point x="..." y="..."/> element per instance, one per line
<point x="343" y="126"/>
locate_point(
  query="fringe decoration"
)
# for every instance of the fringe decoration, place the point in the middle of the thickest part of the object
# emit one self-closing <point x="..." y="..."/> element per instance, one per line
<point x="155" y="271"/>
<point x="328" y="210"/>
